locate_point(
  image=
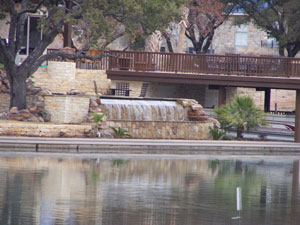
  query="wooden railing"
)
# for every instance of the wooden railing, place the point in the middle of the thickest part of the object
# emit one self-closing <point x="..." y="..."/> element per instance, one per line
<point x="229" y="64"/>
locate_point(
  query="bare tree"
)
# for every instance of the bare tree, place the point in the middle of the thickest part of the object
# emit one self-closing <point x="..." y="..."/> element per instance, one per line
<point x="204" y="17"/>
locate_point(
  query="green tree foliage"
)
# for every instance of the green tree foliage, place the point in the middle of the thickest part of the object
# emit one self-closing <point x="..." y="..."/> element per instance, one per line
<point x="99" y="19"/>
<point x="240" y="114"/>
<point x="279" y="18"/>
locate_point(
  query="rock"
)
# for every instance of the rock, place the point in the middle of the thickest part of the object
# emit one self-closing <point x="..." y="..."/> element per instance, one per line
<point x="15" y="117"/>
<point x="202" y="118"/>
<point x="45" y="115"/>
<point x="216" y="122"/>
<point x="73" y="92"/>
<point x="198" y="115"/>
<point x="108" y="133"/>
<point x="24" y="113"/>
<point x="186" y="102"/>
<point x="33" y="109"/>
<point x="39" y="104"/>
<point x="14" y="110"/>
<point x="61" y="134"/>
<point x="45" y="92"/>
<point x="33" y="118"/>
<point x="98" y="101"/>
<point x="34" y="90"/>
<point x="3" y="116"/>
<point x="93" y="103"/>
<point x="196" y="107"/>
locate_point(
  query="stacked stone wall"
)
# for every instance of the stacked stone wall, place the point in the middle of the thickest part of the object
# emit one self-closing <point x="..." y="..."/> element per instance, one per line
<point x="68" y="108"/>
<point x="61" y="77"/>
<point x="15" y="128"/>
<point x="165" y="130"/>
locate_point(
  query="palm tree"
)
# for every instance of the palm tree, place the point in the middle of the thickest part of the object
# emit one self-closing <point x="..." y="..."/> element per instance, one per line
<point x="240" y="114"/>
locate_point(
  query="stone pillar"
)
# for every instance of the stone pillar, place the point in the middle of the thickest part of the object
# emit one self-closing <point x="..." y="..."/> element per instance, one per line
<point x="297" y="117"/>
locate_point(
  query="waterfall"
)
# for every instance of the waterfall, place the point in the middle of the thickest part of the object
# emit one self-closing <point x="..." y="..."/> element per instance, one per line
<point x="142" y="110"/>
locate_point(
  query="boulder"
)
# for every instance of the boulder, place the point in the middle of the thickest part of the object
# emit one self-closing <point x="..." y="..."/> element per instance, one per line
<point x="197" y="115"/>
<point x="74" y="92"/>
<point x="93" y="103"/>
<point x="14" y="110"/>
<point x="3" y="116"/>
<point x="45" y="115"/>
<point x="24" y="113"/>
<point x="45" y="92"/>
<point x="196" y="107"/>
<point x="108" y="133"/>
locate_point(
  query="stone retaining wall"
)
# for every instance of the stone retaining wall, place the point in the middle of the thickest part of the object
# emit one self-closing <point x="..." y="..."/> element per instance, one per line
<point x="67" y="108"/>
<point x="165" y="130"/>
<point x="15" y="128"/>
<point x="61" y="77"/>
<point x="149" y="130"/>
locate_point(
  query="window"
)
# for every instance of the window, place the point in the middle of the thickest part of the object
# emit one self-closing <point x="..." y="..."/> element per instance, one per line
<point x="241" y="36"/>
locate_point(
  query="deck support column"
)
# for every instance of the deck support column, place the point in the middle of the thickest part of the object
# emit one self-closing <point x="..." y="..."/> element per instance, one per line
<point x="297" y="117"/>
<point x="222" y="96"/>
<point x="267" y="99"/>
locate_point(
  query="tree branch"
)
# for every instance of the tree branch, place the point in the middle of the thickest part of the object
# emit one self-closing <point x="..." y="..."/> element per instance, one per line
<point x="33" y="10"/>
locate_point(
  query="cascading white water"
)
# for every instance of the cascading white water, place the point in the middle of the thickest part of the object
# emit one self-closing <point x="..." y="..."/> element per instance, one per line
<point x="142" y="110"/>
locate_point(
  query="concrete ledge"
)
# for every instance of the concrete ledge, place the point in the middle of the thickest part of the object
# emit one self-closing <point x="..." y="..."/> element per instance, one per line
<point x="133" y="146"/>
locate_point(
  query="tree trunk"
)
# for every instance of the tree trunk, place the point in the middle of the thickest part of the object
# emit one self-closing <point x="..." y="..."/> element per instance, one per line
<point x="239" y="133"/>
<point x="17" y="91"/>
<point x="198" y="46"/>
<point x="168" y="40"/>
<point x="207" y="44"/>
<point x="281" y="51"/>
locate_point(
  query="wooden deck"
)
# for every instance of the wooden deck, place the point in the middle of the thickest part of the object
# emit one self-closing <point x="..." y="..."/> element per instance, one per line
<point x="220" y="70"/>
<point x="230" y="64"/>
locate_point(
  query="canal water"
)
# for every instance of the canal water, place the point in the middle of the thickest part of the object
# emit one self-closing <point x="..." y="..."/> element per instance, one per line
<point x="147" y="190"/>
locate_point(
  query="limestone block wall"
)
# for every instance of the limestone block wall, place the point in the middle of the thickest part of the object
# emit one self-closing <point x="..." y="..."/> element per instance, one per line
<point x="285" y="99"/>
<point x="61" y="77"/>
<point x="67" y="109"/>
<point x="15" y="128"/>
<point x="165" y="130"/>
<point x="224" y="40"/>
<point x="4" y="101"/>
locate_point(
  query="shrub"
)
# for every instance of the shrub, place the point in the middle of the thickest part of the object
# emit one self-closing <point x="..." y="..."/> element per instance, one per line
<point x="240" y="114"/>
<point x="120" y="132"/>
<point x="216" y="133"/>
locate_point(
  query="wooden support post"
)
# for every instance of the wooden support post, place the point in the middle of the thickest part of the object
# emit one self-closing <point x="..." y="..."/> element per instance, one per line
<point x="297" y="117"/>
<point x="222" y="96"/>
<point x="267" y="99"/>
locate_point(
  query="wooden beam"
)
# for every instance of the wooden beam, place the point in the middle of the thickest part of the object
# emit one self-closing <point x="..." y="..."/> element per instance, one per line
<point x="209" y="79"/>
<point x="297" y="117"/>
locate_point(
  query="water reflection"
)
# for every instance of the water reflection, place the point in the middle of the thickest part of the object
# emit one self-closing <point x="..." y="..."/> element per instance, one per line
<point x="146" y="191"/>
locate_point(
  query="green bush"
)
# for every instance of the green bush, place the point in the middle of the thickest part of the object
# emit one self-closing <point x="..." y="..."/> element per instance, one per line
<point x="120" y="132"/>
<point x="240" y="114"/>
<point x="97" y="117"/>
<point x="216" y="133"/>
